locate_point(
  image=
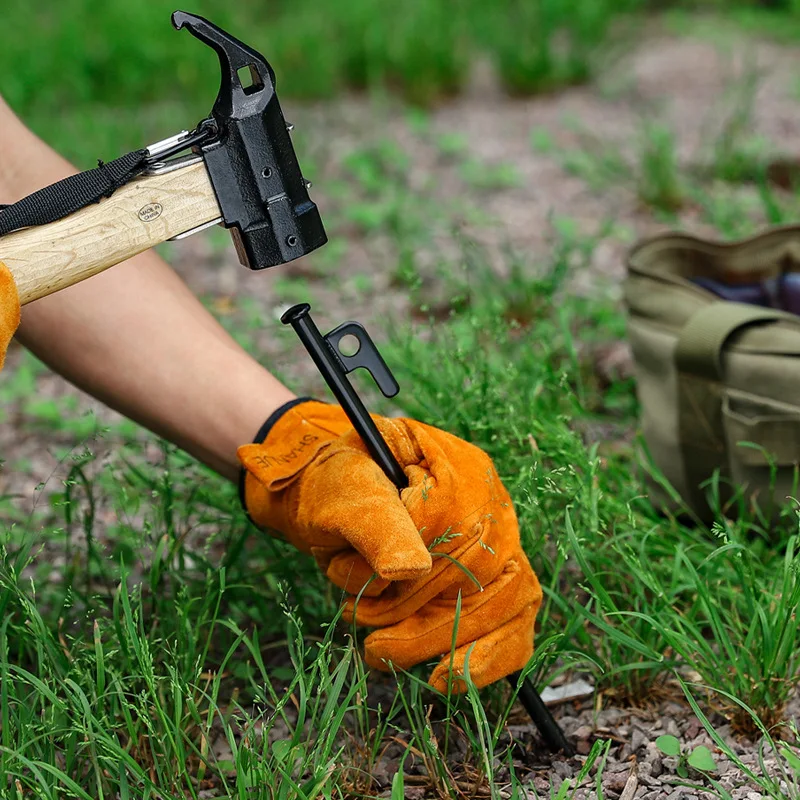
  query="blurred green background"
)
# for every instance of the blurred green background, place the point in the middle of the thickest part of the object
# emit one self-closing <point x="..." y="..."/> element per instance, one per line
<point x="61" y="59"/>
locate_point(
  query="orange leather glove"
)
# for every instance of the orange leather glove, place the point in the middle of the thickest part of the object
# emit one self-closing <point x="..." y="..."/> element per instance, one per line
<point x="313" y="481"/>
<point x="9" y="310"/>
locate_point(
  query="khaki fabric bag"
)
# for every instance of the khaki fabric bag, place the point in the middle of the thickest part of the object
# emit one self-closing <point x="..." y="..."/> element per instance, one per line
<point x="718" y="381"/>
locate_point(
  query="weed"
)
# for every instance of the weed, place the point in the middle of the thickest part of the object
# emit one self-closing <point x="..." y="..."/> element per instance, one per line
<point x="659" y="181"/>
<point x="732" y="152"/>
<point x="654" y="172"/>
<point x="539" y="46"/>
<point x="596" y="162"/>
<point x="699" y="758"/>
<point x="485" y="176"/>
<point x="778" y="779"/>
<point x="169" y="679"/>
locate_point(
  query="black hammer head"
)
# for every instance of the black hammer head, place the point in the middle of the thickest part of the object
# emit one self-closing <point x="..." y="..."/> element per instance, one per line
<point x="251" y="161"/>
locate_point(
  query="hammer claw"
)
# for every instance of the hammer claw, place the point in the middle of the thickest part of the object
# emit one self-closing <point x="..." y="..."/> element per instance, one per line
<point x="234" y="99"/>
<point x="251" y="161"/>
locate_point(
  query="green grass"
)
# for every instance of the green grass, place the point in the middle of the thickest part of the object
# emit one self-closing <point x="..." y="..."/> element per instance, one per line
<point x="640" y="585"/>
<point x="154" y="645"/>
<point x="737" y="181"/>
<point x="122" y="71"/>
<point x="154" y="663"/>
<point x="128" y="53"/>
<point x="780" y="22"/>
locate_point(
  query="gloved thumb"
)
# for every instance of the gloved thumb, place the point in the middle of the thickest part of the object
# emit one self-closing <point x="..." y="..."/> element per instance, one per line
<point x="346" y="494"/>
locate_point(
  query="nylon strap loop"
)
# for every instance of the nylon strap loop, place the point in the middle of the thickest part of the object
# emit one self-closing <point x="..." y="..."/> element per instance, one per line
<point x="67" y="196"/>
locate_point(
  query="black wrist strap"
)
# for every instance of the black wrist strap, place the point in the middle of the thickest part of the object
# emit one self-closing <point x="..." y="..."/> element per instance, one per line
<point x="263" y="431"/>
<point x="63" y="198"/>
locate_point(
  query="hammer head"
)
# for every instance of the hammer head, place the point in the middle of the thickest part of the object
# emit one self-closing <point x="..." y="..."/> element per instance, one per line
<point x="250" y="158"/>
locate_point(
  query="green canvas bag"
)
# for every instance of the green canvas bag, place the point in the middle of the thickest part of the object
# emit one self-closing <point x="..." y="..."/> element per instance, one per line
<point x="718" y="381"/>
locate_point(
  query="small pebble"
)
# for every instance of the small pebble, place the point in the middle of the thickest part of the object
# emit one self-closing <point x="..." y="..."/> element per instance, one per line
<point x="638" y="739"/>
<point x="677" y="794"/>
<point x="643" y="770"/>
<point x="692" y="729"/>
<point x="618" y="766"/>
<point x="631" y="785"/>
<point x="656" y="767"/>
<point x="584" y="732"/>
<point x="615" y="782"/>
<point x="562" y="769"/>
<point x="609" y="717"/>
<point x="380" y="773"/>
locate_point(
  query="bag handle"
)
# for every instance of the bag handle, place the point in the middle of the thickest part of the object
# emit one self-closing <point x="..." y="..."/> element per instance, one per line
<point x="699" y="364"/>
<point x="703" y="337"/>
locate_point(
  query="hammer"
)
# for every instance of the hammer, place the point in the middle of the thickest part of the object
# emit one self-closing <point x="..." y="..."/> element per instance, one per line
<point x="236" y="168"/>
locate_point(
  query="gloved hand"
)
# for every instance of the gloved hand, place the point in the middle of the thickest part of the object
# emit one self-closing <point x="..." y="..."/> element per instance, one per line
<point x="9" y="310"/>
<point x="313" y="481"/>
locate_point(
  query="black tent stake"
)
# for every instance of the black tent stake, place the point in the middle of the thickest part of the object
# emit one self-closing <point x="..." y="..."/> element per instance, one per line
<point x="335" y="366"/>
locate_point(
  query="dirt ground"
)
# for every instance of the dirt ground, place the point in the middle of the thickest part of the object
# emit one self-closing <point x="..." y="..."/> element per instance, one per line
<point x="681" y="81"/>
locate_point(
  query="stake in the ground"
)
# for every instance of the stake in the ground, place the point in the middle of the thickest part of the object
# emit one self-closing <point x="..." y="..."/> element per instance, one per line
<point x="334" y="367"/>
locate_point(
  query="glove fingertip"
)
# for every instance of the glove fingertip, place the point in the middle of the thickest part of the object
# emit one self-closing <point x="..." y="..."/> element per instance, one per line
<point x="404" y="564"/>
<point x="441" y="676"/>
<point x="375" y="661"/>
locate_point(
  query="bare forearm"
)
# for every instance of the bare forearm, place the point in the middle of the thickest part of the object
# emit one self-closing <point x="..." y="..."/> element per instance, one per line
<point x="136" y="338"/>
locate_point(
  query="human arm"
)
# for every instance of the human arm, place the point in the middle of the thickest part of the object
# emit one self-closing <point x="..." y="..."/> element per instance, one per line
<point x="136" y="337"/>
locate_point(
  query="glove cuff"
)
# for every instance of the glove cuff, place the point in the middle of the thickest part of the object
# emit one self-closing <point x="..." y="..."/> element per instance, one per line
<point x="262" y="434"/>
<point x="298" y="431"/>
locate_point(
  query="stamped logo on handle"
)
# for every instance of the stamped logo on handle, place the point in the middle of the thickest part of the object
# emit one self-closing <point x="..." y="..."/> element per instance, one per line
<point x="150" y="212"/>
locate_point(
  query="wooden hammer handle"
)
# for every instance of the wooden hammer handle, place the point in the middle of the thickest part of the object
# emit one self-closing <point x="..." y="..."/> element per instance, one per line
<point x="143" y="213"/>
